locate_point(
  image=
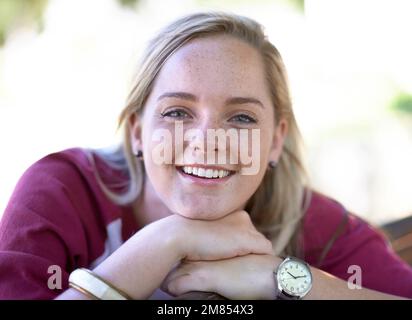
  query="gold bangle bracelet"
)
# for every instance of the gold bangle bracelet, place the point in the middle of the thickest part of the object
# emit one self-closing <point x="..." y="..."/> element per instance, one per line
<point x="124" y="294"/>
<point x="94" y="286"/>
<point x="83" y="291"/>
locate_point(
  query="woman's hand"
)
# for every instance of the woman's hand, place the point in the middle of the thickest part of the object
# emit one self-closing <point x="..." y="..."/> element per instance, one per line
<point x="231" y="236"/>
<point x="247" y="277"/>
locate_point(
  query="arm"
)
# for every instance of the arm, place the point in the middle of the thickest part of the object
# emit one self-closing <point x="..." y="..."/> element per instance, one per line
<point x="140" y="265"/>
<point x="52" y="220"/>
<point x="329" y="287"/>
<point x="251" y="277"/>
<point x="384" y="275"/>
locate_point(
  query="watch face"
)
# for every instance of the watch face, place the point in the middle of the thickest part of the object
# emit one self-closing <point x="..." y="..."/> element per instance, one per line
<point x="294" y="277"/>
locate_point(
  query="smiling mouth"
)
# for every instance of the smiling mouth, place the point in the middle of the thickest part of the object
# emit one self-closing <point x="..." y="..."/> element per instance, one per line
<point x="205" y="173"/>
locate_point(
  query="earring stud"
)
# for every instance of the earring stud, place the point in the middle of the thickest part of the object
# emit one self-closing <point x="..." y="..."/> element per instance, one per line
<point x="272" y="164"/>
<point x="139" y="154"/>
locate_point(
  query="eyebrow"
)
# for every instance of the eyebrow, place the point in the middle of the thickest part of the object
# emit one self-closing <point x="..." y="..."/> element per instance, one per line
<point x="179" y="95"/>
<point x="193" y="98"/>
<point x="244" y="100"/>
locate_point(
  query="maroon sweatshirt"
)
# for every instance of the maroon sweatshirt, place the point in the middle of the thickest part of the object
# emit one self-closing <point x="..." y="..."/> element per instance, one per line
<point x="59" y="216"/>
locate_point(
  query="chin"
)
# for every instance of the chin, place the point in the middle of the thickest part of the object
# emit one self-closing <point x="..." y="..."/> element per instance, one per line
<point x="202" y="213"/>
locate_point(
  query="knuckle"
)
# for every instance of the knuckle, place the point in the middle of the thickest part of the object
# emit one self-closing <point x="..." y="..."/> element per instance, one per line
<point x="177" y="286"/>
<point x="244" y="215"/>
<point x="171" y="287"/>
<point x="242" y="250"/>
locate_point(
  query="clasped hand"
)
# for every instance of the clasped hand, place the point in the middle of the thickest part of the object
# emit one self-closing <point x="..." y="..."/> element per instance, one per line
<point x="226" y="256"/>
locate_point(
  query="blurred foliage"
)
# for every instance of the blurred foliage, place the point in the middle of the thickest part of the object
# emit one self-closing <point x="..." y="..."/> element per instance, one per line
<point x="402" y="103"/>
<point x="297" y="4"/>
<point x="128" y="3"/>
<point x="17" y="13"/>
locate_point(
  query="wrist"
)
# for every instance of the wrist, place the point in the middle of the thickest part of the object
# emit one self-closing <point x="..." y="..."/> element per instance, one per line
<point x="95" y="287"/>
<point x="127" y="266"/>
<point x="176" y="237"/>
<point x="269" y="288"/>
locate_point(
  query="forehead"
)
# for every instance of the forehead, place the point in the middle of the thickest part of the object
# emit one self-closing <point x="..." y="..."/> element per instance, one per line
<point x="220" y="64"/>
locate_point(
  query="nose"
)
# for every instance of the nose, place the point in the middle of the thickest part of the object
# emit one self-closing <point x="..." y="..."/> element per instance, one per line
<point x="205" y="126"/>
<point x="199" y="143"/>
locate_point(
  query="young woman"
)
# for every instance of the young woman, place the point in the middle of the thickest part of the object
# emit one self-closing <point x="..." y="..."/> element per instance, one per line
<point x="147" y="228"/>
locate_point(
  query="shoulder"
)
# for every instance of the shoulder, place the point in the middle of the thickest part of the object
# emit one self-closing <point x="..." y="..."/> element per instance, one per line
<point x="61" y="185"/>
<point x="323" y="207"/>
<point x="325" y="218"/>
<point x="66" y="166"/>
<point x="70" y="170"/>
<point x="56" y="176"/>
<point x="329" y="228"/>
<point x="49" y="220"/>
<point x="336" y="240"/>
<point x="327" y="222"/>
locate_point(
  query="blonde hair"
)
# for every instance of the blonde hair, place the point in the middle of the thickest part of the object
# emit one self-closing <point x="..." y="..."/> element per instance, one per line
<point x="279" y="203"/>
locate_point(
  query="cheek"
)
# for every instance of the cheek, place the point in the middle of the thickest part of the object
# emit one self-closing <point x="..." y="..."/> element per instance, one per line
<point x="248" y="184"/>
<point x="160" y="178"/>
<point x="158" y="143"/>
<point x="257" y="154"/>
<point x="158" y="157"/>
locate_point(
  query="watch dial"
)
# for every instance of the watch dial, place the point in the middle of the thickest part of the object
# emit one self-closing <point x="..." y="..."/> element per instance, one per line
<point x="295" y="278"/>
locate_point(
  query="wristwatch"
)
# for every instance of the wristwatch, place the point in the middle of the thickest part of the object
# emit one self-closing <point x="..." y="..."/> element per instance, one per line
<point x="293" y="279"/>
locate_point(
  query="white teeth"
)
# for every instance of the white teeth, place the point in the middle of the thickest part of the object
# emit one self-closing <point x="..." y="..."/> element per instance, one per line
<point x="220" y="173"/>
<point x="201" y="172"/>
<point x="206" y="173"/>
<point x="209" y="173"/>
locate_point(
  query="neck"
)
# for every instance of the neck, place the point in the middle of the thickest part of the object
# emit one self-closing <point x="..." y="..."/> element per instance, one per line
<point x="148" y="207"/>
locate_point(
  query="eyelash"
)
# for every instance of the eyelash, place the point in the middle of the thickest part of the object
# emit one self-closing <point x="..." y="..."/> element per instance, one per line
<point x="246" y="119"/>
<point x="168" y="114"/>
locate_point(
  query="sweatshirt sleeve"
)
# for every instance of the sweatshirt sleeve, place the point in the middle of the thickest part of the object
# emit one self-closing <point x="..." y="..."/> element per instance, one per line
<point x="364" y="248"/>
<point x="344" y="245"/>
<point x="355" y="247"/>
<point x="42" y="231"/>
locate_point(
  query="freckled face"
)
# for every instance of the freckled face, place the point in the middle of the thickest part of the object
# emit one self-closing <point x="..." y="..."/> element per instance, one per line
<point x="210" y="83"/>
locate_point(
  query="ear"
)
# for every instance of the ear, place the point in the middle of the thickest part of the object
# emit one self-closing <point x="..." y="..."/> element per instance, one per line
<point x="279" y="136"/>
<point x="135" y="131"/>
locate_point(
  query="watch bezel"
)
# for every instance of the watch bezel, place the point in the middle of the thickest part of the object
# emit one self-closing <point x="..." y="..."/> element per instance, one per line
<point x="285" y="291"/>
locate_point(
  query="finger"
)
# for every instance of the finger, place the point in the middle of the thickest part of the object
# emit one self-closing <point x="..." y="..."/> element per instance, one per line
<point x="184" y="268"/>
<point x="170" y="278"/>
<point x="267" y="246"/>
<point x="255" y="243"/>
<point x="188" y="283"/>
<point x="191" y="275"/>
<point x="179" y="271"/>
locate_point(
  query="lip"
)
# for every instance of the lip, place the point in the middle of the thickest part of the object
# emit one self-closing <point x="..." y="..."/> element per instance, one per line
<point x="205" y="167"/>
<point x="203" y="181"/>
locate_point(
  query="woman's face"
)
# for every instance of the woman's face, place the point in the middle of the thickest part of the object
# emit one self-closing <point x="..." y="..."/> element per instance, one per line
<point x="215" y="83"/>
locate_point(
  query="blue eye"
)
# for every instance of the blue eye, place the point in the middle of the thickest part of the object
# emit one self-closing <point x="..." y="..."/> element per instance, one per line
<point x="175" y="114"/>
<point x="243" y="118"/>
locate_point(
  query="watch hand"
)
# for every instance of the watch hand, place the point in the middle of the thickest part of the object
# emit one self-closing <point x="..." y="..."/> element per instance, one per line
<point x="300" y="277"/>
<point x="291" y="275"/>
